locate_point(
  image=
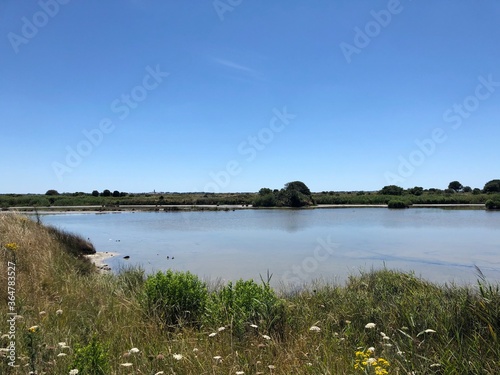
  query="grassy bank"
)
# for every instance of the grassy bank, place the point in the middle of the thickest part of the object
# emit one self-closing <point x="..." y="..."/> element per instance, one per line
<point x="384" y="322"/>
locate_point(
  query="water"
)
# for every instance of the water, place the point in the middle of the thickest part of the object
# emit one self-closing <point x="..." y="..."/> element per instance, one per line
<point x="298" y="246"/>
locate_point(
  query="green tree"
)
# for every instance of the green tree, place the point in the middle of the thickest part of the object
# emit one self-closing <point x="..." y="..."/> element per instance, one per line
<point x="95" y="193"/>
<point x="392" y="190"/>
<point x="116" y="193"/>
<point x="106" y="193"/>
<point x="455" y="185"/>
<point x="417" y="190"/>
<point x="467" y="189"/>
<point x="297" y="194"/>
<point x="52" y="192"/>
<point x="492" y="186"/>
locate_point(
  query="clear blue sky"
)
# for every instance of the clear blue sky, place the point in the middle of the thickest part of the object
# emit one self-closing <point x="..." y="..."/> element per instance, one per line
<point x="205" y="95"/>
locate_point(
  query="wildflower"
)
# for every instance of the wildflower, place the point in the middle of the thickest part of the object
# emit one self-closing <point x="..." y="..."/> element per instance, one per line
<point x="240" y="372"/>
<point x="73" y="372"/>
<point x="370" y="325"/>
<point x="218" y="358"/>
<point x="42" y="313"/>
<point x="33" y="329"/>
<point x="266" y="337"/>
<point x="160" y="373"/>
<point x="315" y="329"/>
<point x="134" y="350"/>
<point x="128" y="364"/>
<point x="62" y="355"/>
<point x="213" y="334"/>
<point x="220" y="329"/>
<point x="12" y="246"/>
<point x="59" y="312"/>
<point x="371" y="349"/>
<point x="178" y="356"/>
<point x="196" y="350"/>
<point x="254" y="326"/>
<point x="271" y="367"/>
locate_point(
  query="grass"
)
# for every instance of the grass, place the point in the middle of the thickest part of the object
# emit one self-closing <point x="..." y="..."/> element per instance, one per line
<point x="74" y="317"/>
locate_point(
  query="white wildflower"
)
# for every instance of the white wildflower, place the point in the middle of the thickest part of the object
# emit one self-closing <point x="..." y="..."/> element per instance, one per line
<point x="220" y="329"/>
<point x="134" y="350"/>
<point x="254" y="326"/>
<point x="266" y="337"/>
<point x="73" y="372"/>
<point x="178" y="356"/>
<point x="59" y="312"/>
<point x="315" y="329"/>
<point x="213" y="334"/>
<point x="62" y="355"/>
<point x="127" y="364"/>
<point x="370" y="325"/>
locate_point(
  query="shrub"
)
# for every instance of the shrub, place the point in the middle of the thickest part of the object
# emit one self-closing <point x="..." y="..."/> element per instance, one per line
<point x="245" y="303"/>
<point x="91" y="359"/>
<point x="492" y="204"/>
<point x="175" y="297"/>
<point x="396" y="203"/>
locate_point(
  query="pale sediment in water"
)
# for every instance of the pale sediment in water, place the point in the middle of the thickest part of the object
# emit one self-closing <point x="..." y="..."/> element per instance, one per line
<point x="99" y="259"/>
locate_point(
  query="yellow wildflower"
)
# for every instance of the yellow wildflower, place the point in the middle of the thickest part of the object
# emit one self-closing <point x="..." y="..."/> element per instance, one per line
<point x="12" y="246"/>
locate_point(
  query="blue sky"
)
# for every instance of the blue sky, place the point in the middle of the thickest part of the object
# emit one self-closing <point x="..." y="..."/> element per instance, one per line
<point x="233" y="96"/>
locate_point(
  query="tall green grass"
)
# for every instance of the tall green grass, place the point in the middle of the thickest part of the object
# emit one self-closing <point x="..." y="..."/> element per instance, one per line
<point x="100" y="323"/>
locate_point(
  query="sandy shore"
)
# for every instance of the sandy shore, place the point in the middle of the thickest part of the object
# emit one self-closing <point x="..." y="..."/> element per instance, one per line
<point x="99" y="259"/>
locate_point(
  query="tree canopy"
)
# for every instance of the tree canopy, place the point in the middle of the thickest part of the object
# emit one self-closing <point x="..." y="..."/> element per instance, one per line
<point x="492" y="186"/>
<point x="455" y="185"/>
<point x="294" y="194"/>
<point x="392" y="190"/>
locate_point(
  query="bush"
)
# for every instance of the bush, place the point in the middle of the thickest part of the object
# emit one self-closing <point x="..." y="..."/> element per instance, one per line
<point x="245" y="303"/>
<point x="492" y="204"/>
<point x="175" y="297"/>
<point x="91" y="359"/>
<point x="396" y="203"/>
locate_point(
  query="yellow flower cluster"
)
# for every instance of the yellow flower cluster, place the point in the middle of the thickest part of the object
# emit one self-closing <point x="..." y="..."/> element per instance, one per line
<point x="365" y="361"/>
<point x="11" y="246"/>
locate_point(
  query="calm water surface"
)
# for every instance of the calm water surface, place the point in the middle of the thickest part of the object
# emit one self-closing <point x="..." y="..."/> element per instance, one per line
<point x="298" y="246"/>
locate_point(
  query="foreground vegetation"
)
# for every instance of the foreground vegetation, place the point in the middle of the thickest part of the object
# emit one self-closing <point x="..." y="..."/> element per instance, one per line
<point x="382" y="322"/>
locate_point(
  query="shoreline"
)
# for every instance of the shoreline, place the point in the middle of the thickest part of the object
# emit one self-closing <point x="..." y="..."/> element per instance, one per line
<point x="186" y="208"/>
<point x="99" y="260"/>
